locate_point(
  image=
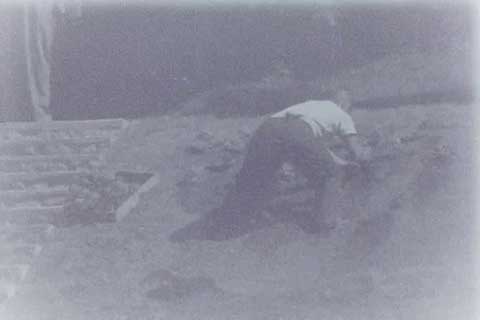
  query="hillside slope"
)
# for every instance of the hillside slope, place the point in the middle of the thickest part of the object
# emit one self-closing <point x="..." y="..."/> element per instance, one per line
<point x="394" y="80"/>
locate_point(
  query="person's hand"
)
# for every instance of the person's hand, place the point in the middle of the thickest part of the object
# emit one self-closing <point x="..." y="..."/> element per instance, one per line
<point x="363" y="153"/>
<point x="365" y="156"/>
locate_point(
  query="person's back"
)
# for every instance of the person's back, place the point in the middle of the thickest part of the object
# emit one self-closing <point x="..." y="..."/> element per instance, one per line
<point x="321" y="115"/>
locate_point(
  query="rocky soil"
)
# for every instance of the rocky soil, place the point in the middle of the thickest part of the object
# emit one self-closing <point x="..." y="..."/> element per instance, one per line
<point x="404" y="247"/>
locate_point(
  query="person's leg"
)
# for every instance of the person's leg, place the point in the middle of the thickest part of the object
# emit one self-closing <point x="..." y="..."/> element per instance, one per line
<point x="236" y="216"/>
<point x="309" y="155"/>
<point x="253" y="184"/>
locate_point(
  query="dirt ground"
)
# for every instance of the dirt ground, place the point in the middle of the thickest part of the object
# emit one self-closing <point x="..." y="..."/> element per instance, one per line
<point x="403" y="249"/>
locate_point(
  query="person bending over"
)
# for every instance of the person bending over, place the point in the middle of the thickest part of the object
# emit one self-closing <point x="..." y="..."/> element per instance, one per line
<point x="311" y="136"/>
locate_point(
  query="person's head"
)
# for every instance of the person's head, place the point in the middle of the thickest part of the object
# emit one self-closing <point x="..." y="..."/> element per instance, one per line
<point x="341" y="97"/>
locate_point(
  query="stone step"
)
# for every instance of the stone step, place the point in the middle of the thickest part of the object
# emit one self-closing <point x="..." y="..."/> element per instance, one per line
<point x="26" y="135"/>
<point x="34" y="147"/>
<point x="15" y="234"/>
<point x="18" y="253"/>
<point x="61" y="129"/>
<point x="48" y="163"/>
<point x="39" y="181"/>
<point x="28" y="216"/>
<point x="19" y="199"/>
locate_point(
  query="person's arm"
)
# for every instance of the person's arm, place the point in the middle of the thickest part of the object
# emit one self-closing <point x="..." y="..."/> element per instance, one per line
<point x="361" y="151"/>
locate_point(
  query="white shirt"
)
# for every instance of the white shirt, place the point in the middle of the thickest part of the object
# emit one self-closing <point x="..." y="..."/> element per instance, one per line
<point x="325" y="118"/>
<point x="322" y="116"/>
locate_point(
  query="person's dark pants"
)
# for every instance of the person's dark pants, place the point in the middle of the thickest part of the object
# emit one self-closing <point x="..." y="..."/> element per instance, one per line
<point x="276" y="141"/>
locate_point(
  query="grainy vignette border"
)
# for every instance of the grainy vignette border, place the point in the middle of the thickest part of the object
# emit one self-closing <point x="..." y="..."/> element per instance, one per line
<point x="128" y="205"/>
